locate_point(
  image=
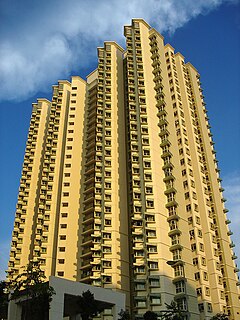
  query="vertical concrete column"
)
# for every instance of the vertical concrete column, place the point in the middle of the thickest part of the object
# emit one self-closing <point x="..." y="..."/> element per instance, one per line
<point x="116" y="310"/>
<point x="14" y="311"/>
<point x="57" y="306"/>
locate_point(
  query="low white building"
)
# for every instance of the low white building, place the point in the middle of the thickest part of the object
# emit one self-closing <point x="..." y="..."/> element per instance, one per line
<point x="67" y="292"/>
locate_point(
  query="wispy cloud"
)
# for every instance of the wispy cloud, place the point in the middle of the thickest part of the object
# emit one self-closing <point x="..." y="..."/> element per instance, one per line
<point x="231" y="184"/>
<point x="44" y="41"/>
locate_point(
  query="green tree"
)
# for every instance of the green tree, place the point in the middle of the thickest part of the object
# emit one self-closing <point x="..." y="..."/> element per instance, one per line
<point x="150" y="315"/>
<point x="3" y="300"/>
<point x="173" y="312"/>
<point x="36" y="294"/>
<point x="87" y="306"/>
<point x="124" y="315"/>
<point x="220" y="316"/>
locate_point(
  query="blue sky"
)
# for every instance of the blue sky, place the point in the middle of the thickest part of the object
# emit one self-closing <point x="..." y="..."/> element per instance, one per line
<point x="41" y="42"/>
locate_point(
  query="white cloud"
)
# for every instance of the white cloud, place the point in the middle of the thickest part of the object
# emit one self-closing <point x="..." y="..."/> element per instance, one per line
<point x="231" y="184"/>
<point x="50" y="38"/>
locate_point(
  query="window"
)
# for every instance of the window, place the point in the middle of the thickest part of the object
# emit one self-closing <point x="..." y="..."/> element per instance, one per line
<point x="63" y="226"/>
<point x="64" y="215"/>
<point x="63" y="237"/>
<point x="185" y="184"/>
<point x="152" y="265"/>
<point x="60" y="273"/>
<point x="146" y="152"/>
<point x="141" y="304"/>
<point x="201" y="307"/>
<point x="155" y="300"/>
<point x="150" y="204"/>
<point x="147" y="164"/>
<point x="184" y="172"/>
<point x="154" y="282"/>
<point x="205" y="276"/>
<point x="140" y="269"/>
<point x="194" y="247"/>
<point x="178" y="271"/>
<point x="173" y="224"/>
<point x="197" y="276"/>
<point x="66" y="184"/>
<point x="61" y="261"/>
<point x="108" y="209"/>
<point x="138" y="209"/>
<point x="207" y="290"/>
<point x="108" y="185"/>
<point x="175" y="240"/>
<point x="148" y="176"/>
<point x="62" y="249"/>
<point x="108" y="197"/>
<point x="172" y="211"/>
<point x="199" y="291"/>
<point x="145" y="141"/>
<point x="192" y="234"/>
<point x="182" y="162"/>
<point x="180" y="287"/>
<point x="152" y="249"/>
<point x="149" y="190"/>
<point x="203" y="261"/>
<point x="176" y="255"/>
<point x="151" y="233"/>
<point x="137" y="195"/>
<point x="140" y="286"/>
<point x="108" y="222"/>
<point x="209" y="307"/>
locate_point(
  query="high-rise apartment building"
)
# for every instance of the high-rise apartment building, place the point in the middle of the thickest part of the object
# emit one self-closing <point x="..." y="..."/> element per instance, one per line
<point x="120" y="186"/>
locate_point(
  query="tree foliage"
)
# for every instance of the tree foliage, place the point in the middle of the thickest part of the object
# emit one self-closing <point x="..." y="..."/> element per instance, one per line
<point x="3" y="300"/>
<point x="150" y="315"/>
<point x="124" y="315"/>
<point x="175" y="312"/>
<point x="87" y="306"/>
<point x="33" y="292"/>
<point x="220" y="316"/>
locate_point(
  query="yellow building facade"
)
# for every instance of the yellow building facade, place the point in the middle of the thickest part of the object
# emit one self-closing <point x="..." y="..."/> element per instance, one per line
<point x="120" y="187"/>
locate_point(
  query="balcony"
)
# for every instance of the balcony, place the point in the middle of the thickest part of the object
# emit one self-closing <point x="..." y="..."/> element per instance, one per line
<point x="172" y="203"/>
<point x="168" y="178"/>
<point x="165" y="143"/>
